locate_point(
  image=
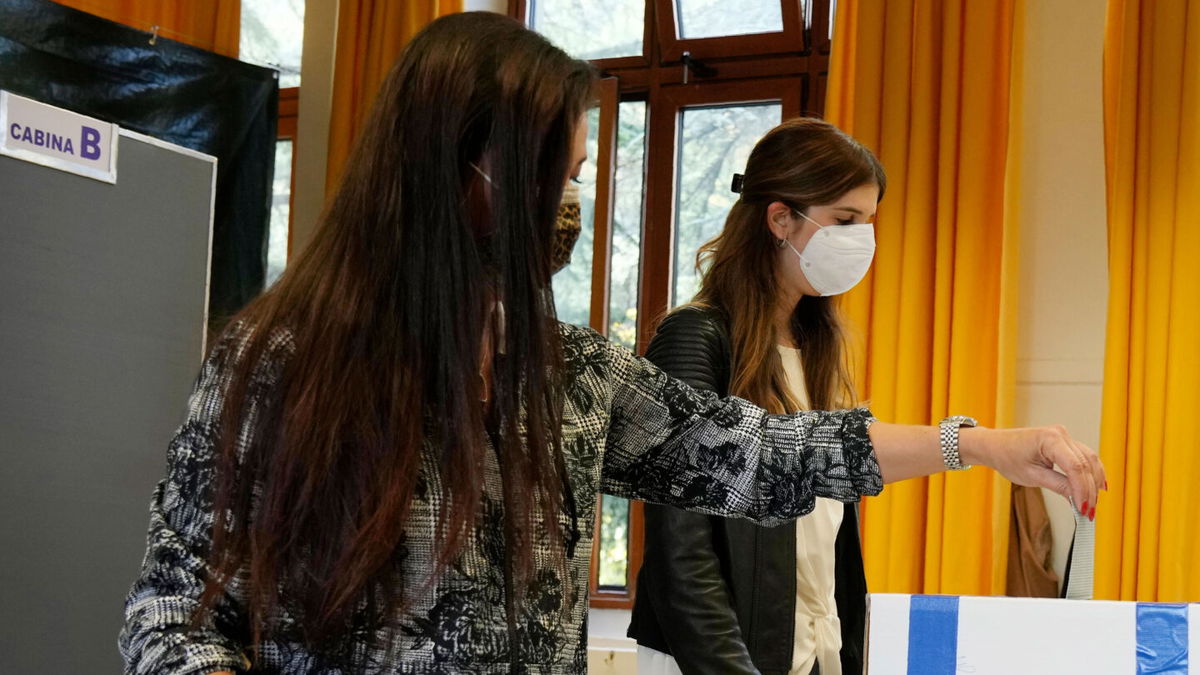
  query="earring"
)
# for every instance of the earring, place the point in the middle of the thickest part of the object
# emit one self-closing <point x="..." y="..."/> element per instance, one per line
<point x="780" y="243"/>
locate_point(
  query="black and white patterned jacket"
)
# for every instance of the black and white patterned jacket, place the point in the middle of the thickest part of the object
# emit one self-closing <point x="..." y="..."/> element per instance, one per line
<point x="628" y="430"/>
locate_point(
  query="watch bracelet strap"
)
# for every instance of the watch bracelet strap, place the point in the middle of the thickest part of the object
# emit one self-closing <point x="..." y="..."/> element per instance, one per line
<point x="948" y="438"/>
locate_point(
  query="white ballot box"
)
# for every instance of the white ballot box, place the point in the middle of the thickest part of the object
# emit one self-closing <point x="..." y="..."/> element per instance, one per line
<point x="940" y="635"/>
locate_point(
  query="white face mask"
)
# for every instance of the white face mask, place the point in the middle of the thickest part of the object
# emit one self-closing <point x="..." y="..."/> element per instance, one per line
<point x="837" y="257"/>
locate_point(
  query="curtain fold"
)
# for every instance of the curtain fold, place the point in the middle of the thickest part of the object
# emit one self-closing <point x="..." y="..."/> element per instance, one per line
<point x="1146" y="547"/>
<point x="370" y="36"/>
<point x="931" y="88"/>
<point x="213" y="25"/>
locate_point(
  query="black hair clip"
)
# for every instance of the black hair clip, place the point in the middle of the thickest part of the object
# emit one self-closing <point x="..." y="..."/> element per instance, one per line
<point x="738" y="182"/>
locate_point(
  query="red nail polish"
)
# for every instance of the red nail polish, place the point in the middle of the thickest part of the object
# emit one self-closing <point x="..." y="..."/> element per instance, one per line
<point x="1083" y="511"/>
<point x="1105" y="485"/>
<point x="1092" y="514"/>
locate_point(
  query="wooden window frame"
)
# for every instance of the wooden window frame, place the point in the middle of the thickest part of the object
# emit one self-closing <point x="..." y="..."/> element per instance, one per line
<point x="289" y="108"/>
<point x="791" y="67"/>
<point x="608" y="94"/>
<point x="606" y="164"/>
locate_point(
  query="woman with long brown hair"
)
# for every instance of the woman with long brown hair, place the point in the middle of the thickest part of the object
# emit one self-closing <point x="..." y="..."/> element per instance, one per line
<point x="719" y="595"/>
<point x="391" y="458"/>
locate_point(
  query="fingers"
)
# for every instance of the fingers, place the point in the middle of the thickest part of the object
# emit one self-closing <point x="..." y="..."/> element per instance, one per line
<point x="1097" y="465"/>
<point x="1097" y="470"/>
<point x="1077" y="464"/>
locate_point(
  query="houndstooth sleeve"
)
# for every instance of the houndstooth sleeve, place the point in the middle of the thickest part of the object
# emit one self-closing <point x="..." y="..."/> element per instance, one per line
<point x="670" y="444"/>
<point x="157" y="636"/>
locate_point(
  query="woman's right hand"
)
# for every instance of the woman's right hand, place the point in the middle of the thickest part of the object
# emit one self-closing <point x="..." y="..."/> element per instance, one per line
<point x="1023" y="456"/>
<point x="1028" y="457"/>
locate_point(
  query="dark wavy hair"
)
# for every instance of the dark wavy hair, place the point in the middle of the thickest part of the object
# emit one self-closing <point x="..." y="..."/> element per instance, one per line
<point x="388" y="309"/>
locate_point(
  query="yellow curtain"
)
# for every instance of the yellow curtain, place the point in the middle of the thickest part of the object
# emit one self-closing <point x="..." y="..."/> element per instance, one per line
<point x="929" y="87"/>
<point x="1146" y="547"/>
<point x="214" y="25"/>
<point x="370" y="36"/>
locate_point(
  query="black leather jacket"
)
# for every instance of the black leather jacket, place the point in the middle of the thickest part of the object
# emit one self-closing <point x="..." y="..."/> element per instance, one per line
<point x="719" y="594"/>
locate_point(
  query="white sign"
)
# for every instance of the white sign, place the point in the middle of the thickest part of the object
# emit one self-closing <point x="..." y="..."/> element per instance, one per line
<point x="57" y="138"/>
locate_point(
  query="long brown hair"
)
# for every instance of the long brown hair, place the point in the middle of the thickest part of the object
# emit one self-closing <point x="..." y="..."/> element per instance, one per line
<point x="388" y="310"/>
<point x="803" y="162"/>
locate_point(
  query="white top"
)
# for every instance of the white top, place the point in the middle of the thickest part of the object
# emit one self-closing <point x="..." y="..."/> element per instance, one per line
<point x="818" y="634"/>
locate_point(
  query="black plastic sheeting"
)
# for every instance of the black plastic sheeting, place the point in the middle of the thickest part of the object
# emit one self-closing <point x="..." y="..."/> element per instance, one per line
<point x="168" y="90"/>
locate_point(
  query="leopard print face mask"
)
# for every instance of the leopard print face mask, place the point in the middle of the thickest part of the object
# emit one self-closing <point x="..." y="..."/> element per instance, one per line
<point x="567" y="227"/>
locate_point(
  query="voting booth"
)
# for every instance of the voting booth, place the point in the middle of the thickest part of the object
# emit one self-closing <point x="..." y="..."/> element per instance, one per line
<point x="105" y="245"/>
<point x="944" y="635"/>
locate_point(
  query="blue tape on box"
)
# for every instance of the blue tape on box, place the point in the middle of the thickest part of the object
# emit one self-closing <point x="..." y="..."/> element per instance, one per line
<point x="1162" y="639"/>
<point x="933" y="635"/>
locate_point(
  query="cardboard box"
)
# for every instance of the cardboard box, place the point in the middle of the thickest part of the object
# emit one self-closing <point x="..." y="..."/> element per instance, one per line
<point x="936" y="635"/>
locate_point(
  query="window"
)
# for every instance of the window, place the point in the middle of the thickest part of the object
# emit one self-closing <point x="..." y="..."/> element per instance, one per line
<point x="573" y="283"/>
<point x="721" y="29"/>
<point x="714" y="144"/>
<point x="626" y="253"/>
<point x="690" y="86"/>
<point x="281" y="206"/>
<point x="714" y="18"/>
<point x="574" y="23"/>
<point x="272" y="35"/>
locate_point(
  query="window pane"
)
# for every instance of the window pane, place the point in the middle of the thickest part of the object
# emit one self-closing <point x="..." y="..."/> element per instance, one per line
<point x="272" y="35"/>
<point x="588" y="29"/>
<point x="715" y="143"/>
<point x="627" y="223"/>
<point x="281" y="194"/>
<point x="573" y="283"/>
<point x="714" y="18"/>
<point x="614" y="542"/>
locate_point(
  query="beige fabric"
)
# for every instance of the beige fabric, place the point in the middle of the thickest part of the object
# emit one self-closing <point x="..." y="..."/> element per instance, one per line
<point x="1030" y="544"/>
<point x="818" y="635"/>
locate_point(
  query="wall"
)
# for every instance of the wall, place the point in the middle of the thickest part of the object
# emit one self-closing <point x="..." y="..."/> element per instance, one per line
<point x="312" y="122"/>
<point x="1063" y="284"/>
<point x="609" y="651"/>
<point x="500" y="6"/>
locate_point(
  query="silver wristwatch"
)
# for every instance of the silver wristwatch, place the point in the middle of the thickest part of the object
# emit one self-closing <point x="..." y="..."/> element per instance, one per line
<point x="949" y="438"/>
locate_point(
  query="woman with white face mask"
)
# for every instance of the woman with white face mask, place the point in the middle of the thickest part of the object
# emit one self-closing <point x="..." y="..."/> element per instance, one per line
<point x="718" y="595"/>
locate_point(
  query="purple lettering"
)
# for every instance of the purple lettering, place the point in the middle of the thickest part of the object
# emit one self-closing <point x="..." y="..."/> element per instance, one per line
<point x="15" y="130"/>
<point x="89" y="144"/>
<point x="28" y="135"/>
<point x="67" y="148"/>
<point x="40" y="136"/>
